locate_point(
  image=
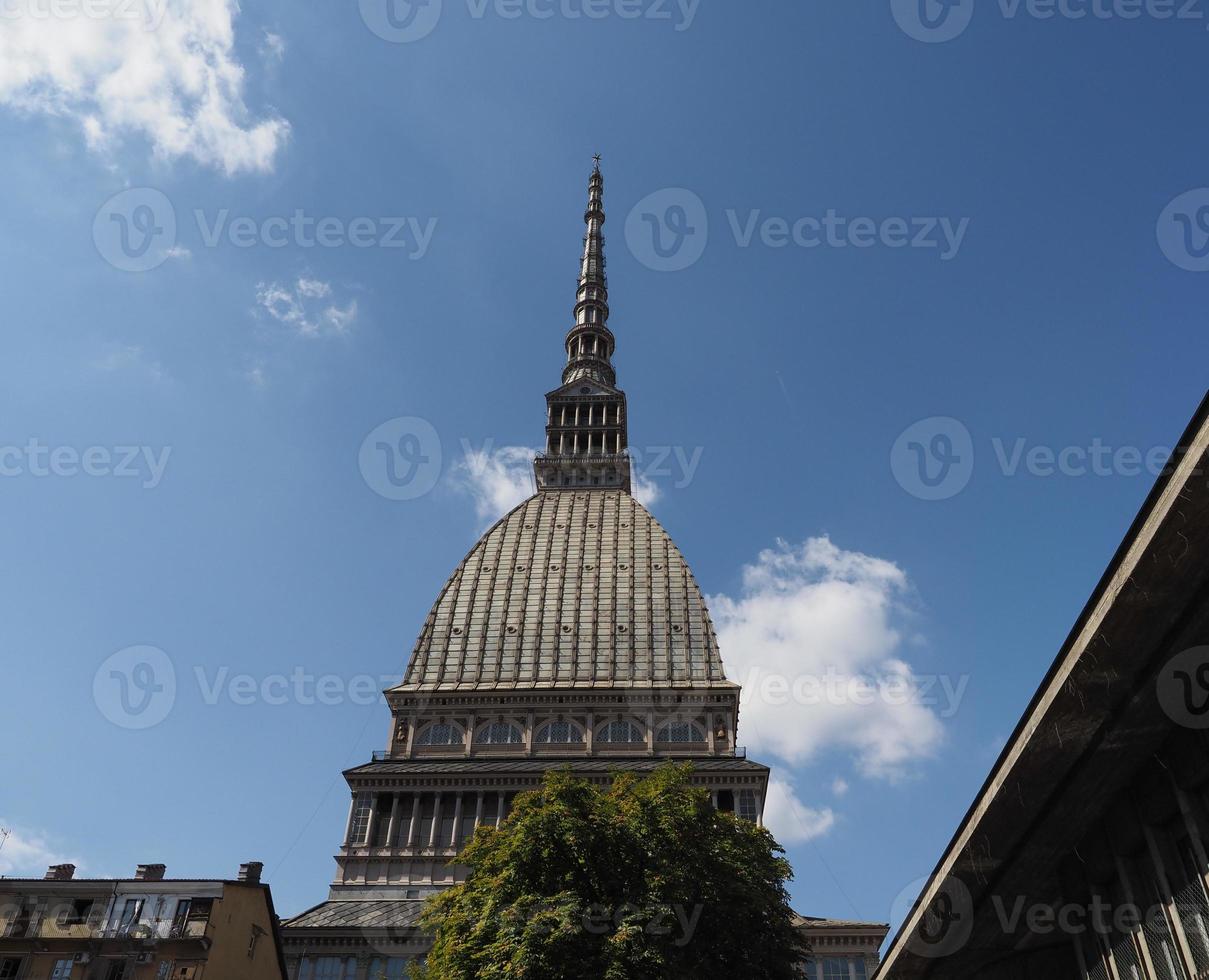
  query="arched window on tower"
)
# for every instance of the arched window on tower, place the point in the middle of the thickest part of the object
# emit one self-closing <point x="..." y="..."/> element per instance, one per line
<point x="499" y="733"/>
<point x="560" y="733"/>
<point x="615" y="732"/>
<point x="440" y="733"/>
<point x="680" y="731"/>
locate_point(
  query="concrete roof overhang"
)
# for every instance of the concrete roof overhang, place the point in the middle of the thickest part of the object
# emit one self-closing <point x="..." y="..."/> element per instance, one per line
<point x="1093" y="723"/>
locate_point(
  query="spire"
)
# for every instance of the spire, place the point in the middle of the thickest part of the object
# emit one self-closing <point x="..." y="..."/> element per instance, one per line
<point x="586" y="438"/>
<point x="592" y="296"/>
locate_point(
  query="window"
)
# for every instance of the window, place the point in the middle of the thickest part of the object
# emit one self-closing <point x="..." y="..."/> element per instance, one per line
<point x="9" y="968"/>
<point x="843" y="968"/>
<point x="393" y="968"/>
<point x="680" y="731"/>
<point x="199" y="916"/>
<point x="358" y="824"/>
<point x="747" y="805"/>
<point x="62" y="970"/>
<point x="620" y="731"/>
<point x="440" y="733"/>
<point x="178" y="918"/>
<point x="499" y="733"/>
<point x="164" y="971"/>
<point x="560" y="733"/>
<point x="131" y="911"/>
<point x="329" y="968"/>
<point x="116" y="971"/>
<point x="75" y="912"/>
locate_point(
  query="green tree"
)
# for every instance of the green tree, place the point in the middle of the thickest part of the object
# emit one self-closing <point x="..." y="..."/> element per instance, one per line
<point x="641" y="880"/>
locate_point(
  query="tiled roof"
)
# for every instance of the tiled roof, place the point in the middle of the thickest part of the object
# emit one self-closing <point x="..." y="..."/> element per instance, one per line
<point x="404" y="767"/>
<point x="571" y="589"/>
<point x="390" y="914"/>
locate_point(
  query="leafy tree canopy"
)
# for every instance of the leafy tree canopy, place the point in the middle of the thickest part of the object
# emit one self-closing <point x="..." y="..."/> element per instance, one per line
<point x="641" y="880"/>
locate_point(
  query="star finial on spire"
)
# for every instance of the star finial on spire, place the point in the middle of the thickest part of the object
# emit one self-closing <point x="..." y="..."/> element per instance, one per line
<point x="596" y="161"/>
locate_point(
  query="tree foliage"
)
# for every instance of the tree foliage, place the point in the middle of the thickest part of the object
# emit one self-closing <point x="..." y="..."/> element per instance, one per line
<point x="643" y="879"/>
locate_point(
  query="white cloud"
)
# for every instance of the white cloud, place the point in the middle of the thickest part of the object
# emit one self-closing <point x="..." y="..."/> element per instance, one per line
<point x="27" y="853"/>
<point x="840" y="786"/>
<point x="815" y="639"/>
<point x="496" y="479"/>
<point x="178" y="252"/>
<point x="161" y="70"/>
<point x="499" y="479"/>
<point x="789" y="819"/>
<point x="307" y="306"/>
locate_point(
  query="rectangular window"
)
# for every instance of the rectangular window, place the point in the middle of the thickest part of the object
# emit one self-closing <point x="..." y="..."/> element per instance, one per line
<point x="61" y="970"/>
<point x="10" y="966"/>
<point x="75" y="912"/>
<point x="131" y="911"/>
<point x="164" y="971"/>
<point x="179" y="917"/>
<point x="359" y="824"/>
<point x="198" y="916"/>
<point x="116" y="971"/>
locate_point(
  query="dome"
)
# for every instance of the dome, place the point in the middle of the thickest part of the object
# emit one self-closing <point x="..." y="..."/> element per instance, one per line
<point x="570" y="589"/>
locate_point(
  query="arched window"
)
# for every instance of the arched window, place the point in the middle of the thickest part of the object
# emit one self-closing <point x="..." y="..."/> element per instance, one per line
<point x="679" y="731"/>
<point x="440" y="733"/>
<point x="499" y="733"/>
<point x="560" y="733"/>
<point x="620" y="731"/>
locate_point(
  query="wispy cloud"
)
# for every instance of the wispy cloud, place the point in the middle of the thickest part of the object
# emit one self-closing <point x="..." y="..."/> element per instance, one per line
<point x="161" y="70"/>
<point x="307" y="306"/>
<point x="27" y="853"/>
<point x="131" y="360"/>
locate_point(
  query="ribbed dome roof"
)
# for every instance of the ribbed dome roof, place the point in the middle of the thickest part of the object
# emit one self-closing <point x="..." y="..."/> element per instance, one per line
<point x="571" y="589"/>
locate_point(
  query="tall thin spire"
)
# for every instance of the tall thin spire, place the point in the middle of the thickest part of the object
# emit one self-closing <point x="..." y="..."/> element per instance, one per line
<point x="586" y="435"/>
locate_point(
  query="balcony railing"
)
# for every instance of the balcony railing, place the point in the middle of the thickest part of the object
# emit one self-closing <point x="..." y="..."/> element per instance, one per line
<point x="51" y="927"/>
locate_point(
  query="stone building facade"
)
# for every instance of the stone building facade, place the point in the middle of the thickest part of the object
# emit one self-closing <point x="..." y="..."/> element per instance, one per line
<point x="148" y="927"/>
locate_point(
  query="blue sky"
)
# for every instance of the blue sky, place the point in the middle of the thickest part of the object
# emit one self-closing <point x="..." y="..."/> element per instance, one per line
<point x="1062" y="314"/>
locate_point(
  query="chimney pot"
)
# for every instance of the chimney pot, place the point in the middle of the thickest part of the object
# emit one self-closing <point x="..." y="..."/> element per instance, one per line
<point x="250" y="872"/>
<point x="60" y="872"/>
<point x="150" y="872"/>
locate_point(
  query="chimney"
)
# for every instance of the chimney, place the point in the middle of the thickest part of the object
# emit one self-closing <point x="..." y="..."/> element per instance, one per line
<point x="250" y="872"/>
<point x="150" y="872"/>
<point x="60" y="872"/>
